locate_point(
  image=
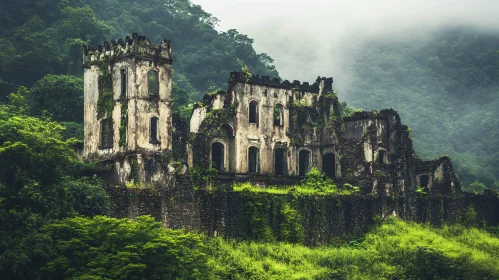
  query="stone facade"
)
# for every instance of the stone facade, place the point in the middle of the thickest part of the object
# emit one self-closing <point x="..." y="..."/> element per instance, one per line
<point x="280" y="129"/>
<point x="258" y="127"/>
<point x="127" y="107"/>
<point x="264" y="127"/>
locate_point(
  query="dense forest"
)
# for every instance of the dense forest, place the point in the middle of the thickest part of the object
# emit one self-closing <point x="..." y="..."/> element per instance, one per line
<point x="446" y="88"/>
<point x="47" y="37"/>
<point x="52" y="206"/>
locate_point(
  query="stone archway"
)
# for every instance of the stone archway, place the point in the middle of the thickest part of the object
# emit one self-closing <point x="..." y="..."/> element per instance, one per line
<point x="218" y="156"/>
<point x="329" y="165"/>
<point x="280" y="161"/>
<point x="253" y="160"/>
<point x="303" y="162"/>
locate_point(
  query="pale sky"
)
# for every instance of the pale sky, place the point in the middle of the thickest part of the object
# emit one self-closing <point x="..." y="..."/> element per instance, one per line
<point x="314" y="38"/>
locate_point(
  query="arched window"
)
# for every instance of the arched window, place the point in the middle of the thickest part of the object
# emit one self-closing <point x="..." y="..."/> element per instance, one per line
<point x="278" y="115"/>
<point x="123" y="83"/>
<point x="329" y="165"/>
<point x="423" y="181"/>
<point x="153" y="130"/>
<point x="253" y="160"/>
<point x="253" y="112"/>
<point x="303" y="162"/>
<point x="280" y="161"/>
<point x="106" y="133"/>
<point x="381" y="156"/>
<point x="152" y="83"/>
<point x="218" y="156"/>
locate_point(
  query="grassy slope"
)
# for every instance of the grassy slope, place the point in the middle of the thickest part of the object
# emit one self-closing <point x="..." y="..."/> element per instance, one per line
<point x="395" y="250"/>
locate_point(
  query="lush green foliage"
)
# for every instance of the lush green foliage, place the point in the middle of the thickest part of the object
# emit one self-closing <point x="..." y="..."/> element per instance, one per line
<point x="38" y="184"/>
<point x="445" y="88"/>
<point x="48" y="39"/>
<point x="395" y="250"/>
<point x="314" y="183"/>
<point x="59" y="96"/>
<point x="106" y="248"/>
<point x="450" y="81"/>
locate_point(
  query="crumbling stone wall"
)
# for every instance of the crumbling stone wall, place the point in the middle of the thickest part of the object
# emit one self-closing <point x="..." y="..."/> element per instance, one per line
<point x="372" y="150"/>
<point x="321" y="220"/>
<point x="264" y="134"/>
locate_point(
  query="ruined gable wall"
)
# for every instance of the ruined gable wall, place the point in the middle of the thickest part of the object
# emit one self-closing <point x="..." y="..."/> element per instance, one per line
<point x="264" y="134"/>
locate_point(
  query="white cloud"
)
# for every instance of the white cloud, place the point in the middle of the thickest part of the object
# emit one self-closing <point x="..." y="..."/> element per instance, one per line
<point x="311" y="38"/>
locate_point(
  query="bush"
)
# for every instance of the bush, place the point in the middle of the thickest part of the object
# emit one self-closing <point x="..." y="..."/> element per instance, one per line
<point x="317" y="180"/>
<point x="122" y="249"/>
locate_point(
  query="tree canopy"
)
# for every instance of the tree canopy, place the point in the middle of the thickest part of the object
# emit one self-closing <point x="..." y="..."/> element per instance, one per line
<point x="48" y="38"/>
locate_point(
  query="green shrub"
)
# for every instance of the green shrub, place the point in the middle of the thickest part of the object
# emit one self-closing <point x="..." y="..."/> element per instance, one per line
<point x="317" y="180"/>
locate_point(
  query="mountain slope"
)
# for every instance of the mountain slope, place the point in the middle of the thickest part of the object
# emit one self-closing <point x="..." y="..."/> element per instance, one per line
<point x="47" y="38"/>
<point x="446" y="88"/>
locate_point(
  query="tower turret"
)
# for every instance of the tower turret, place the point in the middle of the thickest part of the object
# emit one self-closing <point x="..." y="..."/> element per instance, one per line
<point x="128" y="107"/>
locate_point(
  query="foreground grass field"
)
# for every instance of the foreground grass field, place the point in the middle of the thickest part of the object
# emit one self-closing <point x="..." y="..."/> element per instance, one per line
<point x="106" y="248"/>
<point x="394" y="250"/>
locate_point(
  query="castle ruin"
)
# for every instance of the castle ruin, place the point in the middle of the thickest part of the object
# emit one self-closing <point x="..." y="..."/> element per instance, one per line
<point x="262" y="130"/>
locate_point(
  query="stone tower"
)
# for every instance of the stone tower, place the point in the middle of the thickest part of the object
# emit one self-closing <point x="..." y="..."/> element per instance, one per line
<point x="128" y="108"/>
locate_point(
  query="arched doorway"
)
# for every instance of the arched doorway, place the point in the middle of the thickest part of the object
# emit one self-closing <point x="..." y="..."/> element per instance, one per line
<point x="303" y="162"/>
<point x="217" y="156"/>
<point x="381" y="156"/>
<point x="329" y="165"/>
<point x="225" y="136"/>
<point x="280" y="162"/>
<point x="253" y="160"/>
<point x="424" y="181"/>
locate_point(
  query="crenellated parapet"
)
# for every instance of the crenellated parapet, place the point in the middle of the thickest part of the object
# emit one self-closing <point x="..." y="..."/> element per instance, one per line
<point x="135" y="46"/>
<point x="383" y="114"/>
<point x="321" y="85"/>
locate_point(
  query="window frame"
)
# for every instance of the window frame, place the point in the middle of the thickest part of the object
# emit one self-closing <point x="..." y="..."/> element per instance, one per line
<point x="257" y="160"/>
<point x="281" y="114"/>
<point x="123" y="83"/>
<point x="250" y="119"/>
<point x="155" y="139"/>
<point x="106" y="136"/>
<point x="156" y="95"/>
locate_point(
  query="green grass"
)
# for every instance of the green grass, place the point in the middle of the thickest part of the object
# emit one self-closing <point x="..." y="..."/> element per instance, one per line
<point x="303" y="190"/>
<point x="394" y="250"/>
<point x="108" y="248"/>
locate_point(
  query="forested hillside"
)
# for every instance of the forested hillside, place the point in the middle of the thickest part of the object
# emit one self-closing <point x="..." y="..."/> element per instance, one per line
<point x="46" y="37"/>
<point x="446" y="88"/>
<point x="51" y="203"/>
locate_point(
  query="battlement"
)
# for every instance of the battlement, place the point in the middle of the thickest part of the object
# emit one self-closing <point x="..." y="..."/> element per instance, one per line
<point x="321" y="85"/>
<point x="383" y="114"/>
<point x="135" y="46"/>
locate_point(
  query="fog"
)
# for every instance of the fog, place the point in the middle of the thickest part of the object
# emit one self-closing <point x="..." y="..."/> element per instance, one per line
<point x="311" y="38"/>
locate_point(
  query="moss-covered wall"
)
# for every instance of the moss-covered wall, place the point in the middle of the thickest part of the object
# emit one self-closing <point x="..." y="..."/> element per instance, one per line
<point x="319" y="220"/>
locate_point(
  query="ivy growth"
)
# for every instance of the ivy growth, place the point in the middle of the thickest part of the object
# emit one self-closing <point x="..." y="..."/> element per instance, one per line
<point x="124" y="124"/>
<point x="105" y="104"/>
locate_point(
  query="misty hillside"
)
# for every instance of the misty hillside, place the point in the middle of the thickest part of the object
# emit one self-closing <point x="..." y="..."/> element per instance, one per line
<point x="46" y="37"/>
<point x="445" y="88"/>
